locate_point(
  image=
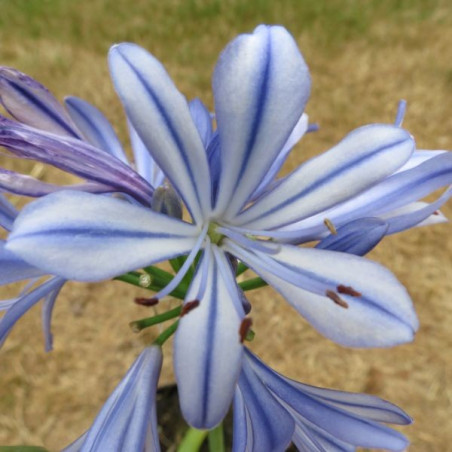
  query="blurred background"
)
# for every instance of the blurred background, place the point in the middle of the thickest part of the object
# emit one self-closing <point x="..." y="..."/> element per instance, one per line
<point x="364" y="56"/>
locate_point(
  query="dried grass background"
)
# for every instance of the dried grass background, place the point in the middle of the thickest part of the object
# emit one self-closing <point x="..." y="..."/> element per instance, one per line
<point x="364" y="56"/>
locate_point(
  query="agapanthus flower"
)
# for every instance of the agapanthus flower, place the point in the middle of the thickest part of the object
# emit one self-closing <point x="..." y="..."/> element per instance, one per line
<point x="261" y="85"/>
<point x="128" y="419"/>
<point x="271" y="410"/>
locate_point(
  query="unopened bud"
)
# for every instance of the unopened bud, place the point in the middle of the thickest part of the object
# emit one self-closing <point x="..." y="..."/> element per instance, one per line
<point x="166" y="201"/>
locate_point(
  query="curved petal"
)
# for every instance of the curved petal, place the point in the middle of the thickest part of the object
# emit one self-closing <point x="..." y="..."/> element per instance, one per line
<point x="8" y="213"/>
<point x="31" y="103"/>
<point x="73" y="156"/>
<point x="261" y="85"/>
<point x="46" y="316"/>
<point x="270" y="427"/>
<point x="13" y="268"/>
<point x="357" y="237"/>
<point x="160" y="115"/>
<point x="123" y="422"/>
<point x="207" y="349"/>
<point x="202" y="119"/>
<point x="361" y="159"/>
<point x="349" y="299"/>
<point x="95" y="127"/>
<point x="23" y="304"/>
<point x="87" y="237"/>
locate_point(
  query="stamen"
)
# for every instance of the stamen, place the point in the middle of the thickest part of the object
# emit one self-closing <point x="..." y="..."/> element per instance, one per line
<point x="336" y="298"/>
<point x="400" y="113"/>
<point x="146" y="301"/>
<point x="204" y="270"/>
<point x="244" y="328"/>
<point x="145" y="280"/>
<point x="250" y="241"/>
<point x="329" y="224"/>
<point x="347" y="290"/>
<point x="189" y="306"/>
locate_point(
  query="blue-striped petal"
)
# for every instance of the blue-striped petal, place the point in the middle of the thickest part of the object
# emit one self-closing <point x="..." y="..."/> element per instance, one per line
<point x="24" y="303"/>
<point x="128" y="420"/>
<point x="357" y="237"/>
<point x="95" y="127"/>
<point x="363" y="158"/>
<point x="202" y="119"/>
<point x="88" y="237"/>
<point x="261" y="424"/>
<point x="73" y="156"/>
<point x="207" y="349"/>
<point x="160" y="115"/>
<point x="261" y="85"/>
<point x="13" y="268"/>
<point x="380" y="314"/>
<point x="31" y="103"/>
<point x="8" y="213"/>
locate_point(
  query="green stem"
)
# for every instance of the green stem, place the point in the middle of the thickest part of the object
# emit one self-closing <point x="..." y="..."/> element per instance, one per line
<point x="162" y="338"/>
<point x="216" y="439"/>
<point x="241" y="268"/>
<point x="253" y="283"/>
<point x="193" y="440"/>
<point x="139" y="325"/>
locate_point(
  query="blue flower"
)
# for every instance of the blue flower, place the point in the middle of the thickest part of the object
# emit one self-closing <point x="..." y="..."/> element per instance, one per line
<point x="261" y="85"/>
<point x="270" y="411"/>
<point x="128" y="419"/>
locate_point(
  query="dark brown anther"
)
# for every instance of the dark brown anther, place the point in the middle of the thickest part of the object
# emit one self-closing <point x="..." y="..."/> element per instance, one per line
<point x="436" y="212"/>
<point x="147" y="301"/>
<point x="336" y="298"/>
<point x="347" y="290"/>
<point x="244" y="328"/>
<point x="189" y="306"/>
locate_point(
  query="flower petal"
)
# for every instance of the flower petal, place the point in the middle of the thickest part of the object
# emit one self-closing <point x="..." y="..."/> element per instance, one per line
<point x="202" y="119"/>
<point x="270" y="426"/>
<point x="8" y="213"/>
<point x="73" y="156"/>
<point x="123" y="422"/>
<point x="31" y="103"/>
<point x="361" y="159"/>
<point x="46" y="316"/>
<point x="357" y="237"/>
<point x="13" y="268"/>
<point x="23" y="304"/>
<point x="95" y="127"/>
<point x="88" y="237"/>
<point x="207" y="349"/>
<point x="161" y="116"/>
<point x="261" y="85"/>
<point x="380" y="314"/>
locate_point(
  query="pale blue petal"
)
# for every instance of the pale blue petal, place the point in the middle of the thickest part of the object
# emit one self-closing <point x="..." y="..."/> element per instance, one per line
<point x="123" y="422"/>
<point x="202" y="119"/>
<point x="207" y="349"/>
<point x="88" y="237"/>
<point x="357" y="237"/>
<point x="361" y="159"/>
<point x="13" y="268"/>
<point x="161" y="117"/>
<point x="381" y="316"/>
<point x="31" y="103"/>
<point x="23" y="304"/>
<point x="95" y="127"/>
<point x="24" y="185"/>
<point x="46" y="316"/>
<point x="73" y="156"/>
<point x="261" y="85"/>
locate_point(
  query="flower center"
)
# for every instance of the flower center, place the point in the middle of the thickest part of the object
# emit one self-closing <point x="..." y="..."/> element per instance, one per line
<point x="214" y="235"/>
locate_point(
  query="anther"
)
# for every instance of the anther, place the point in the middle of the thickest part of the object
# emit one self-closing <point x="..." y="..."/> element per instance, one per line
<point x="145" y="280"/>
<point x="336" y="299"/>
<point x="329" y="224"/>
<point x="436" y="212"/>
<point x="189" y="306"/>
<point x="146" y="301"/>
<point x="244" y="328"/>
<point x="347" y="290"/>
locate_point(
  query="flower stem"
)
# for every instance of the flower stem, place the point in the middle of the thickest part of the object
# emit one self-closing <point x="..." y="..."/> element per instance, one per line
<point x="241" y="268"/>
<point x="193" y="440"/>
<point x="162" y="338"/>
<point x="253" y="283"/>
<point x="139" y="325"/>
<point x="216" y="439"/>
